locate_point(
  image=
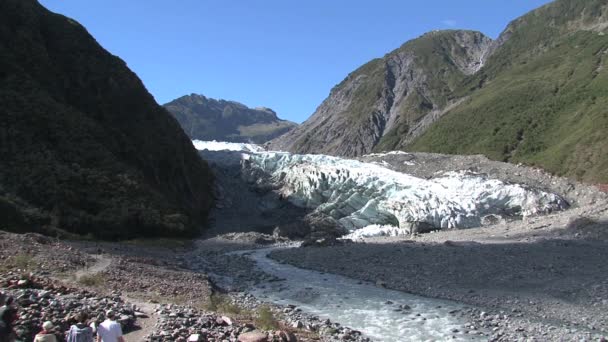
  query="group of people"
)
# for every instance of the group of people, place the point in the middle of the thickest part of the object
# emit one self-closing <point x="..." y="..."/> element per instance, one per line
<point x="81" y="331"/>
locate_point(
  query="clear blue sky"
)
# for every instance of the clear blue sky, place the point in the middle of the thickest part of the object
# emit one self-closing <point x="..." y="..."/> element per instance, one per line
<point x="282" y="54"/>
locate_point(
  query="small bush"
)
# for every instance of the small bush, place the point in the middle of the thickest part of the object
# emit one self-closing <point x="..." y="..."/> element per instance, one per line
<point x="223" y="304"/>
<point x="92" y="280"/>
<point x="21" y="261"/>
<point x="265" y="319"/>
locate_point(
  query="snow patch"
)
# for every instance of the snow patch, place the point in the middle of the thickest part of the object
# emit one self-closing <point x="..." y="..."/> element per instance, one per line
<point x="384" y="154"/>
<point x="375" y="230"/>
<point x="225" y="146"/>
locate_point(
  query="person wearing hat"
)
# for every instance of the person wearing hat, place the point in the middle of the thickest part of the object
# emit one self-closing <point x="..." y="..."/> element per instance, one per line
<point x="46" y="335"/>
<point x="109" y="330"/>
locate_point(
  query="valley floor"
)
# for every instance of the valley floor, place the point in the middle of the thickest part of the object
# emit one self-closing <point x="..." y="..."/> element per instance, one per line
<point x="542" y="279"/>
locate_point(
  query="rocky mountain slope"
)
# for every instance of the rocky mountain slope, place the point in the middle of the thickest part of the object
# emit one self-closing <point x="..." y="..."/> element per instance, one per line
<point x="385" y="98"/>
<point x="541" y="99"/>
<point x="536" y="95"/>
<point x="204" y="118"/>
<point x="84" y="148"/>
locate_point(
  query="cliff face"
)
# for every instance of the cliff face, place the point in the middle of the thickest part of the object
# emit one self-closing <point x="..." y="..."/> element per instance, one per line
<point x="379" y="104"/>
<point x="204" y="118"/>
<point x="84" y="148"/>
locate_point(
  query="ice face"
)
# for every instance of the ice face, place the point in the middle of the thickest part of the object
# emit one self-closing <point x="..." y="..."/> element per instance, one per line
<point x="359" y="194"/>
<point x="225" y="146"/>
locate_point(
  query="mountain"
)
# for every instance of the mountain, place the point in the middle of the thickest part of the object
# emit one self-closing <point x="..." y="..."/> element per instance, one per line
<point x="388" y="97"/>
<point x="537" y="95"/>
<point x="84" y="148"/>
<point x="204" y="118"/>
<point x="542" y="97"/>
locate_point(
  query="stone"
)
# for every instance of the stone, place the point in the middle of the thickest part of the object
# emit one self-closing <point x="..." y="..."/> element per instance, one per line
<point x="194" y="338"/>
<point x="287" y="336"/>
<point x="227" y="320"/>
<point x="254" y="336"/>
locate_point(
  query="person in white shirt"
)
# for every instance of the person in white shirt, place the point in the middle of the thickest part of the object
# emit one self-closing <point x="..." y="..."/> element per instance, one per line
<point x="109" y="330"/>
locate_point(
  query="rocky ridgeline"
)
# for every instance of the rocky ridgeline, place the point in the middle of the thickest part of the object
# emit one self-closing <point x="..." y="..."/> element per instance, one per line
<point x="42" y="299"/>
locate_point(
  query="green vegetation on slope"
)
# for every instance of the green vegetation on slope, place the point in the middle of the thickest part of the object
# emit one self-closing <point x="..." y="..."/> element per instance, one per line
<point x="543" y="98"/>
<point x="83" y="146"/>
<point x="378" y="103"/>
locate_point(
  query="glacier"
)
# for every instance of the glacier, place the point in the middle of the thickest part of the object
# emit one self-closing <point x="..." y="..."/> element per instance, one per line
<point x="368" y="199"/>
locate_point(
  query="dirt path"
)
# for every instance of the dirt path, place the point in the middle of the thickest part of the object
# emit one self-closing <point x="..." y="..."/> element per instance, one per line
<point x="146" y="324"/>
<point x="101" y="263"/>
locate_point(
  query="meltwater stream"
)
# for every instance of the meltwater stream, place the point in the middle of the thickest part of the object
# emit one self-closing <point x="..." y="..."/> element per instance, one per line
<point x="373" y="310"/>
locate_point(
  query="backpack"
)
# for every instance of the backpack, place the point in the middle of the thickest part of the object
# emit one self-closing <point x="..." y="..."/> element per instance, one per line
<point x="76" y="334"/>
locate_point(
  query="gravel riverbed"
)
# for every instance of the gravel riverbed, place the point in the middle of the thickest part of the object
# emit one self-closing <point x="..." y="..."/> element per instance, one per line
<point x="541" y="279"/>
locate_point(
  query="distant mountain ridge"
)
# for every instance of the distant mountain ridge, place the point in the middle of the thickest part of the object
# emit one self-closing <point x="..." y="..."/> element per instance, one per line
<point x="205" y="118"/>
<point x="536" y="95"/>
<point x="84" y="148"/>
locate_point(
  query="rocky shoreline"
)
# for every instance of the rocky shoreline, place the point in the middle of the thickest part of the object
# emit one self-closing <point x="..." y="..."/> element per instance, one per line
<point x="149" y="283"/>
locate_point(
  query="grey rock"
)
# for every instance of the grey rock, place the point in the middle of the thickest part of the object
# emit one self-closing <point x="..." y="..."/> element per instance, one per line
<point x="204" y="118"/>
<point x="388" y="101"/>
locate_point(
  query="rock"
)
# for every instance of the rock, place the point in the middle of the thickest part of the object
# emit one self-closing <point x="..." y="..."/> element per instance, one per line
<point x="194" y="338"/>
<point x="287" y="336"/>
<point x="139" y="314"/>
<point x="380" y="283"/>
<point x="227" y="320"/>
<point x="297" y="324"/>
<point x="254" y="336"/>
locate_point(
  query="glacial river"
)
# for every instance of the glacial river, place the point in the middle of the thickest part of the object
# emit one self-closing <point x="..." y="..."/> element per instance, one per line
<point x="373" y="310"/>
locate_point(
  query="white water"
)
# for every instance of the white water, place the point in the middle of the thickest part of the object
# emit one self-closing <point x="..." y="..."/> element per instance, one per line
<point x="360" y="306"/>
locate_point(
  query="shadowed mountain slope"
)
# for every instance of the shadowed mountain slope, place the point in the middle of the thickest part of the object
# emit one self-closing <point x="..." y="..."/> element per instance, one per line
<point x="84" y="148"/>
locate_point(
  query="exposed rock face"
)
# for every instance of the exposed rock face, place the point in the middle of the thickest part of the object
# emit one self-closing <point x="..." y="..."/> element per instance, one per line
<point x="379" y="103"/>
<point x="83" y="146"/>
<point x="204" y="118"/>
<point x="534" y="96"/>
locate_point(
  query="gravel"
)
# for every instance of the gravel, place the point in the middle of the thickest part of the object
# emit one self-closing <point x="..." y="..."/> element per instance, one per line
<point x="545" y="278"/>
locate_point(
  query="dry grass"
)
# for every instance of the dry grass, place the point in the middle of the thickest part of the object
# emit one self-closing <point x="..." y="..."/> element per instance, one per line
<point x="92" y="280"/>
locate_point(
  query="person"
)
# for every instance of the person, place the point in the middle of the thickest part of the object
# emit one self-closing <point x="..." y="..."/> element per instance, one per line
<point x="8" y="314"/>
<point x="46" y="335"/>
<point x="80" y="332"/>
<point x="109" y="330"/>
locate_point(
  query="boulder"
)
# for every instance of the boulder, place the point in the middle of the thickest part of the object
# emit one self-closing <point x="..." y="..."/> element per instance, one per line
<point x="417" y="227"/>
<point x="287" y="336"/>
<point x="254" y="336"/>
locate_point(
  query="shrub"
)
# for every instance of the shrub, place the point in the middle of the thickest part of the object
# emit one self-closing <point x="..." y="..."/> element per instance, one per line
<point x="92" y="280"/>
<point x="265" y="319"/>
